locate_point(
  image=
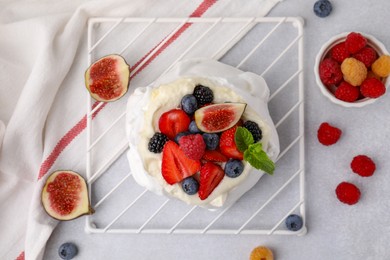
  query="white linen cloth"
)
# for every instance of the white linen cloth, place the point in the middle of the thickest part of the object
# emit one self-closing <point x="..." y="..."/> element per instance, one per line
<point x="43" y="57"/>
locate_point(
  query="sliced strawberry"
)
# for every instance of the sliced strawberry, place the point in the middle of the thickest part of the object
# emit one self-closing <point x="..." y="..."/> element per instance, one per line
<point x="173" y="122"/>
<point x="228" y="146"/>
<point x="176" y="166"/>
<point x="214" y="156"/>
<point x="210" y="176"/>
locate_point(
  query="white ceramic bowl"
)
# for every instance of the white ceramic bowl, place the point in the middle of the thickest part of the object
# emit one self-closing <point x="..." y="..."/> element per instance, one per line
<point x="372" y="42"/>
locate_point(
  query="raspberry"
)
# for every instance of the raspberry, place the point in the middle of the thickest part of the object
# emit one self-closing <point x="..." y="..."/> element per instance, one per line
<point x="339" y="53"/>
<point x="347" y="92"/>
<point x="363" y="165"/>
<point x="193" y="146"/>
<point x="372" y="88"/>
<point x="348" y="193"/>
<point x="381" y="66"/>
<point x="354" y="71"/>
<point x="330" y="72"/>
<point x="355" y="42"/>
<point x="328" y="134"/>
<point x="367" y="55"/>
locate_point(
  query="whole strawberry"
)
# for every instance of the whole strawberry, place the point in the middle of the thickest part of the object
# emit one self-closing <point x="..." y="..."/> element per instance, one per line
<point x="355" y="42"/>
<point x="363" y="165"/>
<point x="330" y="72"/>
<point x="347" y="92"/>
<point x="328" y="134"/>
<point x="348" y="193"/>
<point x="193" y="146"/>
<point x="372" y="88"/>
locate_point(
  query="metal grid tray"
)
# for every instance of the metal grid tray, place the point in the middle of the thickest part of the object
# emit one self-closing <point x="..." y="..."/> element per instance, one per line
<point x="269" y="46"/>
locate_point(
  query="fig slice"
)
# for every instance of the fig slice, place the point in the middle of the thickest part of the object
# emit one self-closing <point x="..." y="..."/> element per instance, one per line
<point x="108" y="78"/>
<point x="65" y="196"/>
<point x="218" y="117"/>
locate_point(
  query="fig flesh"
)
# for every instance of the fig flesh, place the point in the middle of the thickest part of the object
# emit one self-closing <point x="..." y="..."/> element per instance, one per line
<point x="108" y="78"/>
<point x="218" y="117"/>
<point x="65" y="196"/>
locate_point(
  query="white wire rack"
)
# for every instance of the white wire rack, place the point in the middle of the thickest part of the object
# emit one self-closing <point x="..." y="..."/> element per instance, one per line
<point x="271" y="47"/>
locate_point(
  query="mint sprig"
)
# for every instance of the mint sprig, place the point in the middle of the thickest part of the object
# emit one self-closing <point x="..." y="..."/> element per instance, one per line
<point x="253" y="152"/>
<point x="243" y="138"/>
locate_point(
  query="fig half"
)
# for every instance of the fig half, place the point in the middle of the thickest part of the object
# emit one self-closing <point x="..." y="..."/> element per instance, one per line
<point x="218" y="117"/>
<point x="108" y="78"/>
<point x="65" y="196"/>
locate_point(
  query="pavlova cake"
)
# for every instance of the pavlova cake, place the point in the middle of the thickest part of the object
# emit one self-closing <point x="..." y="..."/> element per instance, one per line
<point x="201" y="133"/>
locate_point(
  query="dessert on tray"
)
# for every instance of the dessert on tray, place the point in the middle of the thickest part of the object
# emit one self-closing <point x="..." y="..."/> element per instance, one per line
<point x="201" y="134"/>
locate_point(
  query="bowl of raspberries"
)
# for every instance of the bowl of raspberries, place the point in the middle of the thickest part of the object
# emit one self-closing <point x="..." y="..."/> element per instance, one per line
<point x="352" y="69"/>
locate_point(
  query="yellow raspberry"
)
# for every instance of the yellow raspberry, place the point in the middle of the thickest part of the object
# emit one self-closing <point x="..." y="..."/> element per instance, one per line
<point x="354" y="71"/>
<point x="381" y="66"/>
<point x="261" y="253"/>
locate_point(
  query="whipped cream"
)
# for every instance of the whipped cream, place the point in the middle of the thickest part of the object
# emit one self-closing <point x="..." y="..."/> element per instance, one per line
<point x="146" y="105"/>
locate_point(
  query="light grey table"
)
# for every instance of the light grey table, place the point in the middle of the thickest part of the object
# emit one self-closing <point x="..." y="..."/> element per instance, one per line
<point x="335" y="231"/>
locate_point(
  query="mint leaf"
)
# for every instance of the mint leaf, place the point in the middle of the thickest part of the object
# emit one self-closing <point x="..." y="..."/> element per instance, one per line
<point x="259" y="159"/>
<point x="243" y="138"/>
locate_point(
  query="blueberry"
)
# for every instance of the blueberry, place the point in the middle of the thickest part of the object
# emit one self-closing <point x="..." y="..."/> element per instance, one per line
<point x="234" y="168"/>
<point x="189" y="104"/>
<point x="211" y="140"/>
<point x="190" y="185"/>
<point x="193" y="128"/>
<point x="294" y="222"/>
<point x="180" y="135"/>
<point x="322" y="8"/>
<point x="67" y="251"/>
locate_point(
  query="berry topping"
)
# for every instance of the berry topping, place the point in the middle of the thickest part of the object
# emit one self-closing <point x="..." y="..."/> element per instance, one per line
<point x="214" y="156"/>
<point x="354" y="71"/>
<point x="372" y="88"/>
<point x="294" y="222"/>
<point x="381" y="66"/>
<point x="328" y="134"/>
<point x="193" y="146"/>
<point x="157" y="142"/>
<point x="228" y="146"/>
<point x="180" y="135"/>
<point x="190" y="185"/>
<point x="193" y="128"/>
<point x="363" y="165"/>
<point x="210" y="176"/>
<point x="330" y="72"/>
<point x="348" y="193"/>
<point x="189" y="104"/>
<point x="254" y="129"/>
<point x="347" y="92"/>
<point x="367" y="55"/>
<point x="211" y="140"/>
<point x="322" y="8"/>
<point x="234" y="168"/>
<point x="339" y="53"/>
<point x="67" y="251"/>
<point x="203" y="95"/>
<point x="176" y="166"/>
<point x="261" y="253"/>
<point x="173" y="122"/>
<point x="355" y="42"/>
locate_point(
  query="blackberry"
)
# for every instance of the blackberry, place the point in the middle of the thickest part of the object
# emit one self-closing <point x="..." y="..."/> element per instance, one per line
<point x="203" y="95"/>
<point x="157" y="142"/>
<point x="254" y="129"/>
